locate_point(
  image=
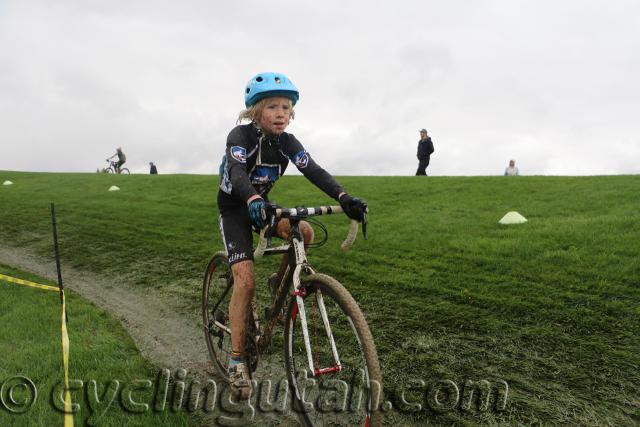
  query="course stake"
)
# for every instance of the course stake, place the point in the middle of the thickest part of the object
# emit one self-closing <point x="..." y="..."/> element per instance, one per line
<point x="56" y="251"/>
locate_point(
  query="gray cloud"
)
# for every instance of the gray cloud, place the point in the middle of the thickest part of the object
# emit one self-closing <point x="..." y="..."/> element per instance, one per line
<point x="551" y="84"/>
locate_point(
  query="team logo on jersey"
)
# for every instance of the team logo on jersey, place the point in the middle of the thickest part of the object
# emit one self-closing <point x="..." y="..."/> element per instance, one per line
<point x="263" y="174"/>
<point x="239" y="153"/>
<point x="301" y="159"/>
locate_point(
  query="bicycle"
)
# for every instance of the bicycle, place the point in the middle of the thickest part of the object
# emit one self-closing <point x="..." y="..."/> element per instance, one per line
<point x="113" y="168"/>
<point x="326" y="337"/>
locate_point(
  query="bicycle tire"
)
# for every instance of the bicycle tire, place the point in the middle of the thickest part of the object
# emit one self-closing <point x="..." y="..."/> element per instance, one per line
<point x="109" y="170"/>
<point x="360" y="368"/>
<point x="124" y="171"/>
<point x="215" y="282"/>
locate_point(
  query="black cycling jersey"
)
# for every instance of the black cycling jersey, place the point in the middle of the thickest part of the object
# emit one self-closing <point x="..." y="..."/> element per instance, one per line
<point x="253" y="162"/>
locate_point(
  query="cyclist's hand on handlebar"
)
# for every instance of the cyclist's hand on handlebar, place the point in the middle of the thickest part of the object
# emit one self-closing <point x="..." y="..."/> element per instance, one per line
<point x="354" y="207"/>
<point x="257" y="212"/>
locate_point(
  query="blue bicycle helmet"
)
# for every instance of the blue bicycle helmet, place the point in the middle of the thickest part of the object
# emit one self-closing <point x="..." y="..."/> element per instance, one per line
<point x="264" y="85"/>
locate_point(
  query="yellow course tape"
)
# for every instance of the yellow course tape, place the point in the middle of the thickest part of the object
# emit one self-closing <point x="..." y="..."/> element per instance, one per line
<point x="28" y="283"/>
<point x="68" y="415"/>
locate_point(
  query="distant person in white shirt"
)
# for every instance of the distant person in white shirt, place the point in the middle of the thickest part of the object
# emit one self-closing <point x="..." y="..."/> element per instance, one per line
<point x="511" y="170"/>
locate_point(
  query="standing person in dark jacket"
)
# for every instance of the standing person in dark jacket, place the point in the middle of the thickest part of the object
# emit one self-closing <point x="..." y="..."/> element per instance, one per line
<point x="256" y="156"/>
<point x="425" y="149"/>
<point x="153" y="170"/>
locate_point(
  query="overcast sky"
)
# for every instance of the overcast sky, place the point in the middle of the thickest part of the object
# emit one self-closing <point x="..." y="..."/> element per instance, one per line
<point x="552" y="84"/>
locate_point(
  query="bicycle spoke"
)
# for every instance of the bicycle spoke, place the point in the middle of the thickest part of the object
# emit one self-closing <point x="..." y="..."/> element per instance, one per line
<point x="337" y="392"/>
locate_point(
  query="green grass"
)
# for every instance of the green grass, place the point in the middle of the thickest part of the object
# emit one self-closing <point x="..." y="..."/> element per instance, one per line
<point x="550" y="306"/>
<point x="100" y="350"/>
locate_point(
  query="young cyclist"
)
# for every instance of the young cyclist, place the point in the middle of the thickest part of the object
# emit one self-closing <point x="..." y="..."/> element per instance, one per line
<point x="256" y="155"/>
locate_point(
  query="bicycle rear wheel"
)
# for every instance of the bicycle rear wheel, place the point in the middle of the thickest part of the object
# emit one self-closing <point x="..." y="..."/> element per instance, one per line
<point x="348" y="395"/>
<point x="124" y="171"/>
<point x="216" y="295"/>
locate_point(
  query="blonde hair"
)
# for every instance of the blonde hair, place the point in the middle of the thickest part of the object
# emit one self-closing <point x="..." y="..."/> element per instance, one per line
<point x="254" y="112"/>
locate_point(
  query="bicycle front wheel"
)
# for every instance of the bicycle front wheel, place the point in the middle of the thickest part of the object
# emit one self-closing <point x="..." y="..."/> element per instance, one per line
<point x="216" y="295"/>
<point x="342" y="384"/>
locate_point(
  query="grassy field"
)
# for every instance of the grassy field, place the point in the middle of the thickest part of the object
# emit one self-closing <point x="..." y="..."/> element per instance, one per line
<point x="100" y="350"/>
<point x="550" y="307"/>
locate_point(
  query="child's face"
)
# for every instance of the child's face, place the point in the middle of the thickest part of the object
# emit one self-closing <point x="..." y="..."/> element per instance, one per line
<point x="275" y="115"/>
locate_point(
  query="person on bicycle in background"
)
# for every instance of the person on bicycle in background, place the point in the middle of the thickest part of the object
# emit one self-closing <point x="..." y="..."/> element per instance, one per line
<point x="256" y="155"/>
<point x="121" y="158"/>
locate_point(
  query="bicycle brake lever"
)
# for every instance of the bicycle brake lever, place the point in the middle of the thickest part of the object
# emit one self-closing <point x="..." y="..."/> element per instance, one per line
<point x="272" y="229"/>
<point x="364" y="225"/>
<point x="271" y="212"/>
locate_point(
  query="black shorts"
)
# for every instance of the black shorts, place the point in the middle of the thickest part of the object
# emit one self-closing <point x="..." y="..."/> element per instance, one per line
<point x="235" y="228"/>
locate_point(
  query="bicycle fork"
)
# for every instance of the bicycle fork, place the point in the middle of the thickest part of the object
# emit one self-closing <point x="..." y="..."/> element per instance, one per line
<point x="299" y="310"/>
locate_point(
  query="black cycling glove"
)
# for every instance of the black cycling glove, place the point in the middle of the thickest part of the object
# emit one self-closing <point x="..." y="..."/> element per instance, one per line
<point x="354" y="208"/>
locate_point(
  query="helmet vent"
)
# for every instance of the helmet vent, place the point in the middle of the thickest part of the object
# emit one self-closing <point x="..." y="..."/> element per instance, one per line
<point x="259" y="79"/>
<point x="277" y="79"/>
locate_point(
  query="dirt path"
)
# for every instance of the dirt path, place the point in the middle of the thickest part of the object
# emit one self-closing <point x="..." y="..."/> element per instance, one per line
<point x="163" y="334"/>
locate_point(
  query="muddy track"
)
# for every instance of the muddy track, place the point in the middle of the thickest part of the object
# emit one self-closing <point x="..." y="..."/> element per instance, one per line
<point x="161" y="331"/>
